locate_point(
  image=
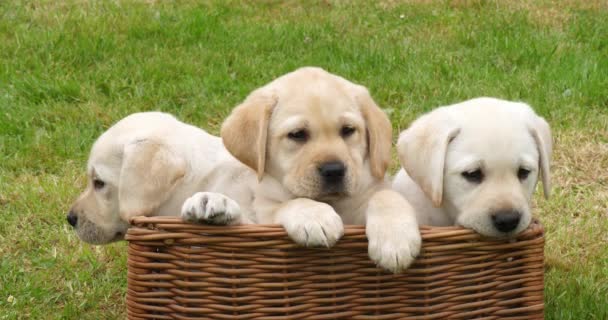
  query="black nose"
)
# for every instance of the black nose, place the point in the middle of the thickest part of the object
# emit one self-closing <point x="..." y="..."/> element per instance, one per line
<point x="332" y="172"/>
<point x="506" y="220"/>
<point x="72" y="218"/>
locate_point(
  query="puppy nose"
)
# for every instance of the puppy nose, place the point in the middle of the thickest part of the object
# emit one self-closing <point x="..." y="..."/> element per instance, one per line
<point x="332" y="172"/>
<point x="506" y="220"/>
<point x="72" y="218"/>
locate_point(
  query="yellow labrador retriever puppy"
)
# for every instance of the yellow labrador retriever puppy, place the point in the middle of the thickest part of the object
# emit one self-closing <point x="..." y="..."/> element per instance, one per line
<point x="148" y="164"/>
<point x="475" y="164"/>
<point x="320" y="147"/>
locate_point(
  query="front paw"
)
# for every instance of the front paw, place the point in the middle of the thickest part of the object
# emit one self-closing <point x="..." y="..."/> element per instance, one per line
<point x="211" y="208"/>
<point x="393" y="246"/>
<point x="315" y="226"/>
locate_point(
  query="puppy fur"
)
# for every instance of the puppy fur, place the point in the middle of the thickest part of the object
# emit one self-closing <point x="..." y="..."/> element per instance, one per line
<point x="320" y="147"/>
<point x="475" y="164"/>
<point x="148" y="164"/>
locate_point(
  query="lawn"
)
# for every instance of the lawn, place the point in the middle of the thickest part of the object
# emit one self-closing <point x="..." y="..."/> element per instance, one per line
<point x="69" y="69"/>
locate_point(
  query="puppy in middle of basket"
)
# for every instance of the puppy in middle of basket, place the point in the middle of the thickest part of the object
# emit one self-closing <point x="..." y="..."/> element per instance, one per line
<point x="320" y="147"/>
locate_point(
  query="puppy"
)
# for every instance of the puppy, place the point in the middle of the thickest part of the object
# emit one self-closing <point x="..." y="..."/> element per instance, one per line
<point x="475" y="164"/>
<point x="320" y="147"/>
<point x="148" y="164"/>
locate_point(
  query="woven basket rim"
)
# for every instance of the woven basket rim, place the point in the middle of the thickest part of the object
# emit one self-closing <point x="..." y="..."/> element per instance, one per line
<point x="535" y="229"/>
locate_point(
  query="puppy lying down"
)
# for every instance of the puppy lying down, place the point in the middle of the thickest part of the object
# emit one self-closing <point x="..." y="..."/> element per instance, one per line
<point x="308" y="151"/>
<point x="148" y="164"/>
<point x="475" y="164"/>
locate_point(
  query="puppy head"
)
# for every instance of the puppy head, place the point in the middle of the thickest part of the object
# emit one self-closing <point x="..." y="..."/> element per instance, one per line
<point x="320" y="135"/>
<point x="480" y="160"/>
<point x="94" y="215"/>
<point x="124" y="180"/>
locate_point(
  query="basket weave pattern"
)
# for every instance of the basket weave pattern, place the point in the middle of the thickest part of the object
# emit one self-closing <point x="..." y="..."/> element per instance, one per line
<point x="183" y="271"/>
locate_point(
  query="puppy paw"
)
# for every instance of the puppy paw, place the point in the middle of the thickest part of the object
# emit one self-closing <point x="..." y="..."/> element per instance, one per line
<point x="315" y="225"/>
<point x="393" y="246"/>
<point x="211" y="208"/>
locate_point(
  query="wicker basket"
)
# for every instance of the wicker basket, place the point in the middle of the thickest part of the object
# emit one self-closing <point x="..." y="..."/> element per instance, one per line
<point x="184" y="271"/>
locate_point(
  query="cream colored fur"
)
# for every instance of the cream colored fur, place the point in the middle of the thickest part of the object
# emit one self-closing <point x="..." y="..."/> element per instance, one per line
<point x="496" y="136"/>
<point x="290" y="190"/>
<point x="152" y="164"/>
<point x="149" y="164"/>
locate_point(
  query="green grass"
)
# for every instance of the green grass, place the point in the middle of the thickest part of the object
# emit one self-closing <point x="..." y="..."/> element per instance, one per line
<point x="69" y="69"/>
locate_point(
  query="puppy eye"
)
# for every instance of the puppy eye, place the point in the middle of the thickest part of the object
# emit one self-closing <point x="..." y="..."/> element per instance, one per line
<point x="523" y="173"/>
<point x="298" y="135"/>
<point x="473" y="176"/>
<point x="98" y="184"/>
<point x="347" y="131"/>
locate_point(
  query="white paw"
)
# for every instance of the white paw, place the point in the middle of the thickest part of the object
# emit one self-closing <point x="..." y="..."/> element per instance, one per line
<point x="315" y="226"/>
<point x="211" y="208"/>
<point x="393" y="246"/>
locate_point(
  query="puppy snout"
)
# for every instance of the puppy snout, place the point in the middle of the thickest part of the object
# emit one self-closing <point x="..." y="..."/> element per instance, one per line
<point x="506" y="220"/>
<point x="332" y="172"/>
<point x="72" y="218"/>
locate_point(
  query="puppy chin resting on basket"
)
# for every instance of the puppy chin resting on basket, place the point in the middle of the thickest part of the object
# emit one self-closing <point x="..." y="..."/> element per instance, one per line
<point x="308" y="151"/>
<point x="475" y="164"/>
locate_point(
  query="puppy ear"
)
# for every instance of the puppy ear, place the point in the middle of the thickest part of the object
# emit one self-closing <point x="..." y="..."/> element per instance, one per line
<point x="245" y="131"/>
<point x="148" y="175"/>
<point x="541" y="132"/>
<point x="422" y="151"/>
<point x="379" y="134"/>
